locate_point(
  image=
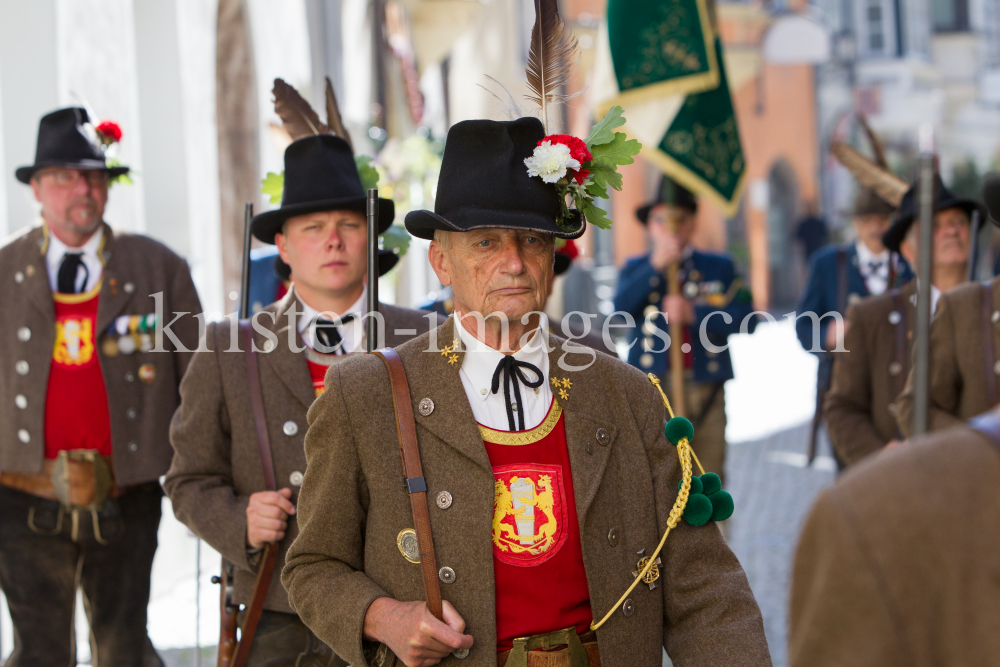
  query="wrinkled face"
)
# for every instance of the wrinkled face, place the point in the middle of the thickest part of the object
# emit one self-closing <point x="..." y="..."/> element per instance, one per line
<point x="662" y="217"/>
<point x="72" y="200"/>
<point x="326" y="249"/>
<point x="870" y="229"/>
<point x="495" y="270"/>
<point x="951" y="239"/>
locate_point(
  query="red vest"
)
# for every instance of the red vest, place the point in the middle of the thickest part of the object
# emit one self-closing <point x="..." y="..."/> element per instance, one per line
<point x="318" y="374"/>
<point x="541" y="585"/>
<point x="76" y="400"/>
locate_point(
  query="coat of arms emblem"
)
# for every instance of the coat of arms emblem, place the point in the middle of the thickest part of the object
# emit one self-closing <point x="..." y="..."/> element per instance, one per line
<point x="529" y="513"/>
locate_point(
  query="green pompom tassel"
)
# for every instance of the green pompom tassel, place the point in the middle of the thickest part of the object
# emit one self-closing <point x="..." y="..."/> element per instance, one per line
<point x="722" y="505"/>
<point x="711" y="483"/>
<point x="677" y="429"/>
<point x="698" y="510"/>
<point x="696" y="486"/>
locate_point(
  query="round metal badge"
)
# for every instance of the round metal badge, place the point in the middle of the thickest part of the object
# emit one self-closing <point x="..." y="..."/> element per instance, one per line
<point x="406" y="541"/>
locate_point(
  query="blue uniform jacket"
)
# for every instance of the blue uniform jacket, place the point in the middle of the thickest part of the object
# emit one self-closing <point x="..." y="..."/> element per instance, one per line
<point x="264" y="281"/>
<point x="821" y="293"/>
<point x="710" y="281"/>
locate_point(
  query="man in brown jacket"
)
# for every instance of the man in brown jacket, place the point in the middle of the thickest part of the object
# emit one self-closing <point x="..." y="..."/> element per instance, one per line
<point x="964" y="335"/>
<point x="897" y="562"/>
<point x="96" y="335"/>
<point x="546" y="495"/>
<point x="869" y="377"/>
<point x="216" y="481"/>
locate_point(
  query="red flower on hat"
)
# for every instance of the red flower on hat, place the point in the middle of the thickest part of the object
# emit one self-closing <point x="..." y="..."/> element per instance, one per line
<point x="109" y="131"/>
<point x="568" y="248"/>
<point x="577" y="150"/>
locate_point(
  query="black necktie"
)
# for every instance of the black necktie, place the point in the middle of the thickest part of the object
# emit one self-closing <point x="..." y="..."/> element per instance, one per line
<point x="874" y="268"/>
<point x="512" y="373"/>
<point x="66" y="278"/>
<point x="328" y="340"/>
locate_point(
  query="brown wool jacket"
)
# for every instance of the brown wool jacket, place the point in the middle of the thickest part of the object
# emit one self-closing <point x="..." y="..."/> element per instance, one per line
<point x="140" y="404"/>
<point x="867" y="379"/>
<point x="353" y="505"/>
<point x="216" y="464"/>
<point x="958" y="372"/>
<point x="897" y="563"/>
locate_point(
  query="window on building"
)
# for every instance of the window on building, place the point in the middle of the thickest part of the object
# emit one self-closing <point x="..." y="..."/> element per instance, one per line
<point x="950" y="15"/>
<point x="876" y="28"/>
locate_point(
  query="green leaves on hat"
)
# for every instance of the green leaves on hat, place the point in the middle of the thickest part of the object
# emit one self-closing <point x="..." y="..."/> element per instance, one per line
<point x="677" y="429"/>
<point x="706" y="500"/>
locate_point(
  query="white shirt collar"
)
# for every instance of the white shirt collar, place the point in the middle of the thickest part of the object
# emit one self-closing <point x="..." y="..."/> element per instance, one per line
<point x="351" y="333"/>
<point x="480" y="363"/>
<point x="95" y="267"/>
<point x="866" y="256"/>
<point x="935" y="296"/>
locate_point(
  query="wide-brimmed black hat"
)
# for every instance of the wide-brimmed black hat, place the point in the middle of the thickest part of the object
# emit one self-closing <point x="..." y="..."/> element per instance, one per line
<point x="484" y="184"/>
<point x="320" y="175"/>
<point x="866" y="202"/>
<point x="909" y="208"/>
<point x="66" y="138"/>
<point x="671" y="194"/>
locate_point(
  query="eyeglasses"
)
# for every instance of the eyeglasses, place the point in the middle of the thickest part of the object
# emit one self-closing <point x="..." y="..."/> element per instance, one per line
<point x="68" y="178"/>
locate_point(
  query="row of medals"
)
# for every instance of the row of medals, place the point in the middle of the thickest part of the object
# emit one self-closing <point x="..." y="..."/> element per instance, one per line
<point x="137" y="336"/>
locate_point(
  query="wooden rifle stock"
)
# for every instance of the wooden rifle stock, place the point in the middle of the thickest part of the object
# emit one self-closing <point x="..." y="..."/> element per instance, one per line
<point x="676" y="334"/>
<point x="227" y="616"/>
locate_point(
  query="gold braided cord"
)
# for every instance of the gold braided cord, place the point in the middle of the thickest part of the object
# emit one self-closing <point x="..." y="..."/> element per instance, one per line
<point x="684" y="454"/>
<point x="517" y="438"/>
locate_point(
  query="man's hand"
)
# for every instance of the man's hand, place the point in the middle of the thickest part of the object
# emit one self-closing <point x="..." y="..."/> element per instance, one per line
<point x="412" y="633"/>
<point x="835" y="334"/>
<point x="678" y="309"/>
<point x="267" y="517"/>
<point x="896" y="443"/>
<point x="667" y="248"/>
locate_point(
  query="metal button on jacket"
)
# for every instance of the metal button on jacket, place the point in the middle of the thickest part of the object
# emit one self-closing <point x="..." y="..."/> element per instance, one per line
<point x="290" y="428"/>
<point x="996" y="368"/>
<point x="131" y="413"/>
<point x="24" y="334"/>
<point x="129" y="377"/>
<point x="425" y="407"/>
<point x="613" y="537"/>
<point x="603" y="438"/>
<point x="628" y="608"/>
<point x="996" y="316"/>
<point x="296" y="478"/>
<point x="21" y="401"/>
<point x="444" y="500"/>
<point x="24" y="436"/>
<point x="129" y="288"/>
<point x="461" y="653"/>
<point x="895" y="317"/>
<point x="895" y="368"/>
<point x="133" y="447"/>
<point x="447" y="575"/>
<point x="18" y="277"/>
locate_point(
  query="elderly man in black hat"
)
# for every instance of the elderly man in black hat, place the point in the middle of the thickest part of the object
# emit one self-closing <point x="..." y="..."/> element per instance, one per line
<point x="85" y="400"/>
<point x="545" y="495"/>
<point x="216" y="482"/>
<point x="869" y="377"/>
<point x="714" y="303"/>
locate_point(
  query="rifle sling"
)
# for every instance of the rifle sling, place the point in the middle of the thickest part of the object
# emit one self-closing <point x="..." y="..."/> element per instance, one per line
<point x="270" y="558"/>
<point x="988" y="352"/>
<point x="410" y="452"/>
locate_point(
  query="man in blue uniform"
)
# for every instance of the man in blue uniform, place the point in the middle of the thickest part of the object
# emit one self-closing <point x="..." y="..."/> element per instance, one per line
<point x="841" y="275"/>
<point x="714" y="303"/>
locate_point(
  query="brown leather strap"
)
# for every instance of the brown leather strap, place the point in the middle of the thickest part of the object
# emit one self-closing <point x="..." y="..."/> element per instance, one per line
<point x="902" y="351"/>
<point x="988" y="353"/>
<point x="410" y="452"/>
<point x="841" y="281"/>
<point x="270" y="559"/>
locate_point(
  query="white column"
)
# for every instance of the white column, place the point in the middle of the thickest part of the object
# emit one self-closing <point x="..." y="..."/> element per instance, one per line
<point x="28" y="78"/>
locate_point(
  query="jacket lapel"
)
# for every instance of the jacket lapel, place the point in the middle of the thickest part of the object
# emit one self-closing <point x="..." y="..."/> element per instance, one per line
<point x="114" y="298"/>
<point x="589" y="449"/>
<point x="435" y="375"/>
<point x="39" y="292"/>
<point x="289" y="366"/>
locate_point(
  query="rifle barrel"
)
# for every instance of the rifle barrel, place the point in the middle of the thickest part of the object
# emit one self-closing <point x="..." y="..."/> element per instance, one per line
<point x="245" y="277"/>
<point x="921" y="370"/>
<point x="974" y="245"/>
<point x="371" y="323"/>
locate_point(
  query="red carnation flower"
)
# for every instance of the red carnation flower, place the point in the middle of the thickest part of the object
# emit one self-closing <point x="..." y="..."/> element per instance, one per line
<point x="577" y="150"/>
<point x="110" y="131"/>
<point x="569" y="249"/>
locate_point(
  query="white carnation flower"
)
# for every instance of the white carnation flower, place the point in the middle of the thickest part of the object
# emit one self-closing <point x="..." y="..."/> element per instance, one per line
<point x="550" y="162"/>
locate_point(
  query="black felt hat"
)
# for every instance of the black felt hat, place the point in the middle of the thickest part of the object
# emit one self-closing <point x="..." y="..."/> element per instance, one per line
<point x="484" y="184"/>
<point x="909" y="209"/>
<point x="671" y="194"/>
<point x="66" y="138"/>
<point x="320" y="175"/>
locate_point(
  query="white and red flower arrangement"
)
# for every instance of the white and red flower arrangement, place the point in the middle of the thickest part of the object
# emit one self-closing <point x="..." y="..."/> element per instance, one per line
<point x="109" y="134"/>
<point x="583" y="169"/>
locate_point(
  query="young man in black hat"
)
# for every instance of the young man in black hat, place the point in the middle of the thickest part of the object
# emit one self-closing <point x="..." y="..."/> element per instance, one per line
<point x="964" y="333"/>
<point x="713" y="304"/>
<point x="870" y="375"/>
<point x="216" y="483"/>
<point x="545" y="496"/>
<point x="85" y="399"/>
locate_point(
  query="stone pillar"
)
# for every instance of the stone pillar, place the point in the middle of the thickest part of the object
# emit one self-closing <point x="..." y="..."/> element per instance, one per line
<point x="28" y="89"/>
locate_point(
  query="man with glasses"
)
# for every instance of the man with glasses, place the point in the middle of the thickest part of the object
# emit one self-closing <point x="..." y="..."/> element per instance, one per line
<point x="89" y="382"/>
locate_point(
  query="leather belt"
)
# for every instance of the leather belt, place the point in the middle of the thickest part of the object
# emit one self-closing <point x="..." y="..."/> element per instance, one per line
<point x="535" y="650"/>
<point x="78" y="478"/>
